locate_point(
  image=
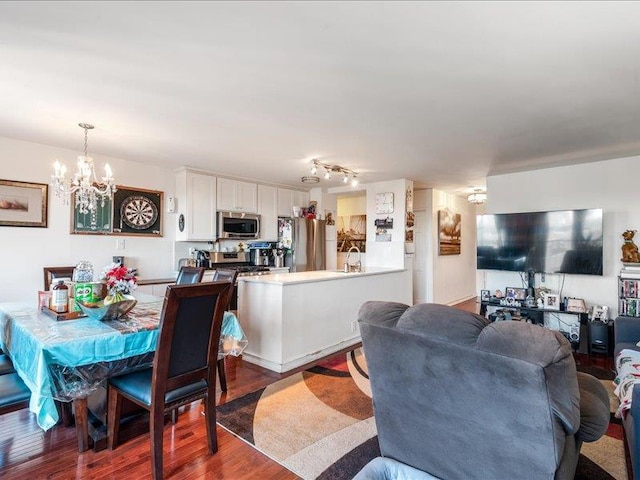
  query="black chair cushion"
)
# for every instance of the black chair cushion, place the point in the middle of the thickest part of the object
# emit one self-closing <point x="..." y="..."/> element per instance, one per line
<point x="138" y="385"/>
<point x="5" y="365"/>
<point x="12" y="390"/>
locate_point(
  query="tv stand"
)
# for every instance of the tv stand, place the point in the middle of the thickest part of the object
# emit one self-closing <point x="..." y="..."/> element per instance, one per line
<point x="535" y="314"/>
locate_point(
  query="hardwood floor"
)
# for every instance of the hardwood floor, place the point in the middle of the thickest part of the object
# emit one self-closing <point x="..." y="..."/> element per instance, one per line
<point x="28" y="453"/>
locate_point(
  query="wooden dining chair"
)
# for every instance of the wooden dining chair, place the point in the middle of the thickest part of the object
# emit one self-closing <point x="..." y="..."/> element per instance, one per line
<point x="189" y="275"/>
<point x="14" y="394"/>
<point x="52" y="273"/>
<point x="6" y="366"/>
<point x="183" y="366"/>
<point x="231" y="275"/>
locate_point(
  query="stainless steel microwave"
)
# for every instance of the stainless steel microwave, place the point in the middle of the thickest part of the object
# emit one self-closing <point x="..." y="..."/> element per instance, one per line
<point x="238" y="225"/>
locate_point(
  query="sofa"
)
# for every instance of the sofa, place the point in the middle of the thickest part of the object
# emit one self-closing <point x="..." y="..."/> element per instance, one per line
<point x="458" y="397"/>
<point x="626" y="334"/>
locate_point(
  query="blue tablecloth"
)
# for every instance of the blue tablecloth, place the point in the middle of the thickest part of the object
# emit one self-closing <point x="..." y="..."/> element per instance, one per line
<point x="67" y="359"/>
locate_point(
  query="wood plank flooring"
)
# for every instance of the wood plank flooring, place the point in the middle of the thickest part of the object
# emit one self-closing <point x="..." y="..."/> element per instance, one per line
<point x="28" y="453"/>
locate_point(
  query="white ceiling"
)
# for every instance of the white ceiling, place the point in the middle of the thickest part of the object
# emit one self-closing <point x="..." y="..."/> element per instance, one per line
<point x="443" y="93"/>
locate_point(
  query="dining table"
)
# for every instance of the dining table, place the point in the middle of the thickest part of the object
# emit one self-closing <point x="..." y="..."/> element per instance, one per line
<point x="64" y="362"/>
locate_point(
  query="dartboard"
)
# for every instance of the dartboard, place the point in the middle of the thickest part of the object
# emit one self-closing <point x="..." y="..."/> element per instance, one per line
<point x="138" y="212"/>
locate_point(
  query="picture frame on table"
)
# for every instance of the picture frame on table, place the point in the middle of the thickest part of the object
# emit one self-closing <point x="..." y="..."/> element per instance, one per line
<point x="551" y="301"/>
<point x="23" y="204"/>
<point x="515" y="293"/>
<point x="485" y="295"/>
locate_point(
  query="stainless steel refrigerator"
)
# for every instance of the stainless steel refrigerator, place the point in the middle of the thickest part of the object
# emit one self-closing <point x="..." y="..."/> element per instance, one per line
<point x="304" y="240"/>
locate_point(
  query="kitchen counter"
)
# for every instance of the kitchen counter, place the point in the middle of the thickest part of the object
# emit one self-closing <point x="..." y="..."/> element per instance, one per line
<point x="316" y="276"/>
<point x="295" y="318"/>
<point x="156" y="281"/>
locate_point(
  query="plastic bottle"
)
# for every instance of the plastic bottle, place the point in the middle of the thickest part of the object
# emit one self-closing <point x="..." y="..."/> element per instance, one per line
<point x="60" y="297"/>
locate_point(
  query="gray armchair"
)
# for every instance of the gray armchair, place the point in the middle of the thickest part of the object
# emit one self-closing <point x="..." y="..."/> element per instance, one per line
<point x="461" y="398"/>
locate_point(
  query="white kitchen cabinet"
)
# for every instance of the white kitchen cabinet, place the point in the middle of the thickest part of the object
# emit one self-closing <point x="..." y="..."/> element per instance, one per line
<point x="268" y="210"/>
<point x="287" y="199"/>
<point x="237" y="196"/>
<point x="196" y="206"/>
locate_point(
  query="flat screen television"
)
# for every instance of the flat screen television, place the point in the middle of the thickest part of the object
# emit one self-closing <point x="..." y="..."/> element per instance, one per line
<point x="567" y="241"/>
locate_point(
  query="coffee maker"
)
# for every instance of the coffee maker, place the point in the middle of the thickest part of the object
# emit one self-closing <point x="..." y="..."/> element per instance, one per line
<point x="260" y="254"/>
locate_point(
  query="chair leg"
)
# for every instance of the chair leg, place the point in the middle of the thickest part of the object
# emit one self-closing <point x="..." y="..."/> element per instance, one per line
<point x="222" y="375"/>
<point x="210" y="418"/>
<point x="174" y="415"/>
<point x="113" y="417"/>
<point x="156" y="428"/>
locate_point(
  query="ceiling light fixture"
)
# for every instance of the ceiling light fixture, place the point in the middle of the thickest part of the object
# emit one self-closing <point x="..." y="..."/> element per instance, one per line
<point x="347" y="174"/>
<point x="84" y="183"/>
<point x="477" y="197"/>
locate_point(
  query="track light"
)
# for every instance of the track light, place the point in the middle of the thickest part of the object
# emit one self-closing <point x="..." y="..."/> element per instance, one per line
<point x="347" y="174"/>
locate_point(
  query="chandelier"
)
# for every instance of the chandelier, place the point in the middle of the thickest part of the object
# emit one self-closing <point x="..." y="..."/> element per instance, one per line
<point x="477" y="197"/>
<point x="84" y="183"/>
<point x="348" y="176"/>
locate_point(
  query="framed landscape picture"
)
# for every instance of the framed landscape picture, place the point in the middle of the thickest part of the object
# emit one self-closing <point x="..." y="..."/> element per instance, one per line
<point x="448" y="232"/>
<point x="23" y="204"/>
<point x="137" y="211"/>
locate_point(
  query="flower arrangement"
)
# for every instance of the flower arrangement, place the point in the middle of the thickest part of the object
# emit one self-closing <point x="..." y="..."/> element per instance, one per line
<point x="120" y="281"/>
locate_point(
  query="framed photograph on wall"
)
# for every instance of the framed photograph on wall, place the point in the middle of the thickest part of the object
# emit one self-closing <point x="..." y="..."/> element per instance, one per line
<point x="137" y="211"/>
<point x="23" y="204"/>
<point x="448" y="232"/>
<point x="551" y="301"/>
<point x="93" y="222"/>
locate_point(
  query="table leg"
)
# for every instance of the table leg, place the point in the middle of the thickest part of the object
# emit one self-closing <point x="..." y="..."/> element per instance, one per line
<point x="82" y="423"/>
<point x="64" y="409"/>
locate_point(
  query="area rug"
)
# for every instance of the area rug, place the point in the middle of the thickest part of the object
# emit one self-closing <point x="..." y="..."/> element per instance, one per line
<point x="319" y="424"/>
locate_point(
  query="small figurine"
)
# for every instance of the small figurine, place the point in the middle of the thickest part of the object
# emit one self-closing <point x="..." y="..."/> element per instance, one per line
<point x="629" y="248"/>
<point x="540" y="303"/>
<point x="498" y="294"/>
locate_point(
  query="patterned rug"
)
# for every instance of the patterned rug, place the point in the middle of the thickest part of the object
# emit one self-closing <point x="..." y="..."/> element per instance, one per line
<point x="319" y="423"/>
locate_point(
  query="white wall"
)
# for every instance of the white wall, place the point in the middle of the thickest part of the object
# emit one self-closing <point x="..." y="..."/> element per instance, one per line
<point x="25" y="251"/>
<point x="387" y="254"/>
<point x="611" y="185"/>
<point x="446" y="279"/>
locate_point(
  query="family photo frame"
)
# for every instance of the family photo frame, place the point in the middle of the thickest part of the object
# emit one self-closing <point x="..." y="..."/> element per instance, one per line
<point x="551" y="301"/>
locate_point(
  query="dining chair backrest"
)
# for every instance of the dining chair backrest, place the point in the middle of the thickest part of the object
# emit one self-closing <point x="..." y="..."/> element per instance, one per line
<point x="52" y="273"/>
<point x="189" y="275"/>
<point x="230" y="275"/>
<point x="190" y="325"/>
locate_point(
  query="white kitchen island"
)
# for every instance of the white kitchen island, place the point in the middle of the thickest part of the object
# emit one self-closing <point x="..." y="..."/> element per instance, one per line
<point x="291" y="319"/>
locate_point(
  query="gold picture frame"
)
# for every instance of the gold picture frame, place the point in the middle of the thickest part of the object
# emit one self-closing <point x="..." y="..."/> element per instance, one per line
<point x="23" y="204"/>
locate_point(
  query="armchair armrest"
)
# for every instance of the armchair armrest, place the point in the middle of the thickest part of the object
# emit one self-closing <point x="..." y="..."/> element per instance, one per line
<point x="626" y="330"/>
<point x="594" y="408"/>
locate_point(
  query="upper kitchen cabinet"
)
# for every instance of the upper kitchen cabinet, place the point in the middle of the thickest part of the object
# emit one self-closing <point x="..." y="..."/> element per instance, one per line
<point x="237" y="196"/>
<point x="196" y="208"/>
<point x="268" y="210"/>
<point x="287" y="199"/>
